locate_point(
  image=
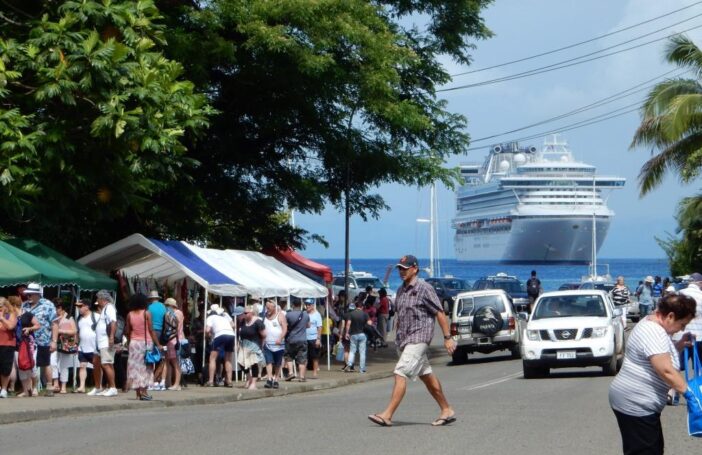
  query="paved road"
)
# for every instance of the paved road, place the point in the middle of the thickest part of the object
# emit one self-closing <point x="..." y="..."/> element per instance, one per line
<point x="498" y="412"/>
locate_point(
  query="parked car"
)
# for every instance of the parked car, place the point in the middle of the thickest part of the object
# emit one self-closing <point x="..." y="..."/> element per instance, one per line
<point x="447" y="289"/>
<point x="573" y="329"/>
<point x="358" y="281"/>
<point x="569" y="286"/>
<point x="601" y="285"/>
<point x="484" y="321"/>
<point x="508" y="283"/>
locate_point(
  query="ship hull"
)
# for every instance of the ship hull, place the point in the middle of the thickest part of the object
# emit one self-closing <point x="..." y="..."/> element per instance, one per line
<point x="535" y="240"/>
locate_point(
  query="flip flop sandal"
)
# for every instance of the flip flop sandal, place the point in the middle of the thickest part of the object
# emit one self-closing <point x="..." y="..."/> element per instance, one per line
<point x="376" y="419"/>
<point x="441" y="421"/>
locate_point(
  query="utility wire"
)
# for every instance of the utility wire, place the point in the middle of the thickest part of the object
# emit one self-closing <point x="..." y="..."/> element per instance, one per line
<point x="572" y="126"/>
<point x="557" y="66"/>
<point x="601" y="102"/>
<point x="570" y="46"/>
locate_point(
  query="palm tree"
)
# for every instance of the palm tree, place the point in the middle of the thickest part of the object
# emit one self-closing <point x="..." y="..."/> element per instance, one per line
<point x="672" y="120"/>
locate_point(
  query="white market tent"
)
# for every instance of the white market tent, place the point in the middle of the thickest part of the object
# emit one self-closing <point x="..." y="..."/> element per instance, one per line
<point x="262" y="276"/>
<point x="160" y="260"/>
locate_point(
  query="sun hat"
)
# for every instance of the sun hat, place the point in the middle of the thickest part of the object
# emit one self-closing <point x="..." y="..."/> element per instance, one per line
<point x="33" y="288"/>
<point x="407" y="261"/>
<point x="170" y="301"/>
<point x="670" y="288"/>
<point x="216" y="308"/>
<point x="309" y="301"/>
<point x="649" y="279"/>
<point x="153" y="295"/>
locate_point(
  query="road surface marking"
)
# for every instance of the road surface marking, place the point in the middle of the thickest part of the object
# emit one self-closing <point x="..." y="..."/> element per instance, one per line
<point x="493" y="382"/>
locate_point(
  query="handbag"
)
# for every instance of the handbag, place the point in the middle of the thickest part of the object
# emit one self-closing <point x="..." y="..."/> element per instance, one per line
<point x="186" y="366"/>
<point x="153" y="355"/>
<point x="339" y="352"/>
<point x="184" y="349"/>
<point x="694" y="384"/>
<point x="67" y="344"/>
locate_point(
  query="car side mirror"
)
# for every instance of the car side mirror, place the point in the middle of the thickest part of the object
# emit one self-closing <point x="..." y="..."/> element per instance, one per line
<point x="522" y="316"/>
<point x="617" y="312"/>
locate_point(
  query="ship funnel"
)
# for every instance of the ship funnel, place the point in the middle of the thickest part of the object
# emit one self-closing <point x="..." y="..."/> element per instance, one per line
<point x="497" y="149"/>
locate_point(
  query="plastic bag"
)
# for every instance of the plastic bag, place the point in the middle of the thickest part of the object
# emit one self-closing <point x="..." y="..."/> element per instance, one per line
<point x="694" y="383"/>
<point x="339" y="352"/>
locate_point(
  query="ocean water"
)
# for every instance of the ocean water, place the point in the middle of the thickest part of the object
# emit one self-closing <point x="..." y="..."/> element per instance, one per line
<point x="551" y="276"/>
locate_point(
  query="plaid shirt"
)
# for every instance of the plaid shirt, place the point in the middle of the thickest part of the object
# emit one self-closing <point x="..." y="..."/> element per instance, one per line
<point x="417" y="305"/>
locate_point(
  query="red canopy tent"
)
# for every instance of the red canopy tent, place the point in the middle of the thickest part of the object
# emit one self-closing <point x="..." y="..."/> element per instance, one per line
<point x="297" y="261"/>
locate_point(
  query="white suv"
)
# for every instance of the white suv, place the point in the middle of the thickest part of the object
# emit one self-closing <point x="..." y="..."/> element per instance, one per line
<point x="576" y="328"/>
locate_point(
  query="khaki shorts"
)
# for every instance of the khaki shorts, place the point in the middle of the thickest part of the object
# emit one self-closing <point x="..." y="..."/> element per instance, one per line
<point x="413" y="361"/>
<point x="107" y="356"/>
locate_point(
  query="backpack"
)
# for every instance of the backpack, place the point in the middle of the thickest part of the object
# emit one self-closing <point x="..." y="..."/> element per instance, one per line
<point x="119" y="330"/>
<point x="170" y="327"/>
<point x="533" y="287"/>
<point x="25" y="357"/>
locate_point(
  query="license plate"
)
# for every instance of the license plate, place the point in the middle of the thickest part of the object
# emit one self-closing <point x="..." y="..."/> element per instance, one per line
<point x="464" y="329"/>
<point x="564" y="355"/>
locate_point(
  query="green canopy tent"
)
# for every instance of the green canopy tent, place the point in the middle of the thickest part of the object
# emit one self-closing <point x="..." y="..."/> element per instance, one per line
<point x="87" y="279"/>
<point x="20" y="267"/>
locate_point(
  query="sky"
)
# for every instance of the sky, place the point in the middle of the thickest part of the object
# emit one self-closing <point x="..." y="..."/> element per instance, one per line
<point x="523" y="29"/>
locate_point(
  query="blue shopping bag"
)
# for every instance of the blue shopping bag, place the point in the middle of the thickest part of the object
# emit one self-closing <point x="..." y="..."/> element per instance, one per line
<point x="694" y="384"/>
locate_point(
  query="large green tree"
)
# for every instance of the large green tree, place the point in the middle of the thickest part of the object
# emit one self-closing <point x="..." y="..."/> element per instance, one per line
<point x="671" y="126"/>
<point x="93" y="121"/>
<point x="314" y="96"/>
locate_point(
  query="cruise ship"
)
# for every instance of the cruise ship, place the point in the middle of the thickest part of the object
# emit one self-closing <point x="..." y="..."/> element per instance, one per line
<point x="523" y="205"/>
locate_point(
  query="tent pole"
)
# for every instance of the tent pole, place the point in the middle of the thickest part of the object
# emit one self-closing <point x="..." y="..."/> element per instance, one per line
<point x="204" y="336"/>
<point x="75" y="320"/>
<point x="329" y="329"/>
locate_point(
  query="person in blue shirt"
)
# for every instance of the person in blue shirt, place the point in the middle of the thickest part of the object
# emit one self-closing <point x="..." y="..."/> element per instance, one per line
<point x="46" y="336"/>
<point x="158" y="311"/>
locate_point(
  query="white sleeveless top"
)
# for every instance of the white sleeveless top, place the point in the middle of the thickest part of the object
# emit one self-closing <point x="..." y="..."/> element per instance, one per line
<point x="273" y="332"/>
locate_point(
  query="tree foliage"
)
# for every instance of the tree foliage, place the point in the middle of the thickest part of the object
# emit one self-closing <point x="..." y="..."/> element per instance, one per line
<point x="301" y="100"/>
<point x="93" y="121"/>
<point x="672" y="126"/>
<point x="312" y="93"/>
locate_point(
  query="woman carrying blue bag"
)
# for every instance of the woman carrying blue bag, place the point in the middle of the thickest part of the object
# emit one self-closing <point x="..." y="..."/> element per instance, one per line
<point x="639" y="392"/>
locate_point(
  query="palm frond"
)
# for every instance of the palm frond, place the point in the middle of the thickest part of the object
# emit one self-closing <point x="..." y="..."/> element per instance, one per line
<point x="682" y="52"/>
<point x="675" y="156"/>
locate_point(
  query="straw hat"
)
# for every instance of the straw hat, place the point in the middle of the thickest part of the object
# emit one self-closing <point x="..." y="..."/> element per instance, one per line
<point x="33" y="288"/>
<point x="216" y="308"/>
<point x="170" y="301"/>
<point x="153" y="295"/>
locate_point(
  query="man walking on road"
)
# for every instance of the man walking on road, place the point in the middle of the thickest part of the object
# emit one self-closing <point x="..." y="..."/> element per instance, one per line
<point x="417" y="307"/>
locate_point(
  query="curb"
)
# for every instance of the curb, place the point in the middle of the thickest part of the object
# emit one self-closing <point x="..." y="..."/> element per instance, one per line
<point x="45" y="414"/>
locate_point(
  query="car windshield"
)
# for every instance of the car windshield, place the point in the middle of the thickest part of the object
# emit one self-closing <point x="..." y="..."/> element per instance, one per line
<point x="599" y="286"/>
<point x="469" y="305"/>
<point x="456" y="285"/>
<point x="569" y="306"/>
<point x="363" y="282"/>
<point x="510" y="287"/>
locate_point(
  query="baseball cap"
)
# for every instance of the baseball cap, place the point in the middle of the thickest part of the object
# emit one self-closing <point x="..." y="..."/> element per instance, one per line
<point x="407" y="261"/>
<point x="352" y="306"/>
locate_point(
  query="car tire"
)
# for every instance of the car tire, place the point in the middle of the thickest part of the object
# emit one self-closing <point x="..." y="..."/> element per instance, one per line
<point x="487" y="320"/>
<point x="459" y="356"/>
<point x="611" y="368"/>
<point x="534" y="372"/>
<point x="514" y="351"/>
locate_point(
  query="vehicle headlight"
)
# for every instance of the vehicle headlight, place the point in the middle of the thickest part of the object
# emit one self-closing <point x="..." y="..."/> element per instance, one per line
<point x="533" y="335"/>
<point x="599" y="332"/>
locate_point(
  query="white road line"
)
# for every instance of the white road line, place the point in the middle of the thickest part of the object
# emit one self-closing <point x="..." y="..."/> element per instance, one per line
<point x="493" y="382"/>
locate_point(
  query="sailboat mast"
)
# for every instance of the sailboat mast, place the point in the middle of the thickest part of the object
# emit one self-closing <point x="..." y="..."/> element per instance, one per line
<point x="594" y="231"/>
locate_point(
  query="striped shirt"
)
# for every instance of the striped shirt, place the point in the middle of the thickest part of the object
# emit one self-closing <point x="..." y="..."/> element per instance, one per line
<point x="695" y="326"/>
<point x="416" y="308"/>
<point x="638" y="390"/>
<point x="620" y="295"/>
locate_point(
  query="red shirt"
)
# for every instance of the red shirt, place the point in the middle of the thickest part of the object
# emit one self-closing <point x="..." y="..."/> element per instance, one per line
<point x="7" y="336"/>
<point x="384" y="307"/>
